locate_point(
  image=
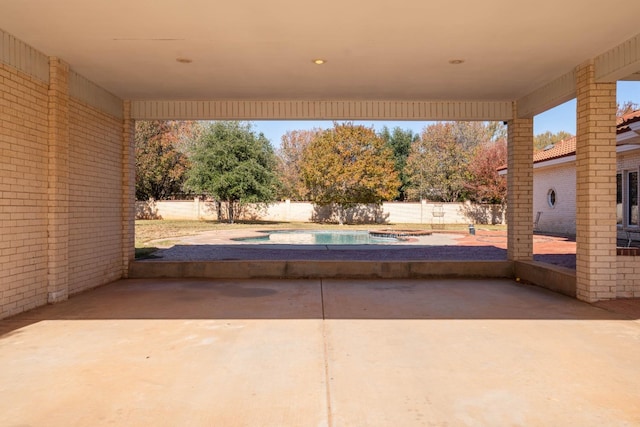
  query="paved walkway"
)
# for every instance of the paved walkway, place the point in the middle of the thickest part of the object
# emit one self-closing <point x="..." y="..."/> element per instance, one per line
<point x="484" y="245"/>
<point x="321" y="353"/>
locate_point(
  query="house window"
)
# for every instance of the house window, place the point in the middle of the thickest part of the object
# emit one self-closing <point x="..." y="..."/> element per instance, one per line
<point x="551" y="197"/>
<point x="619" y="211"/>
<point x="632" y="198"/>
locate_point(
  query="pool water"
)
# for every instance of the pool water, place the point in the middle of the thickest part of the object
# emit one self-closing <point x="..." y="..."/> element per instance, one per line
<point x="331" y="237"/>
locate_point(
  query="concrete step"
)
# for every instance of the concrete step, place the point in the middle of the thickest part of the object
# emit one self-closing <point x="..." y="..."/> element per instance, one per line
<point x="299" y="269"/>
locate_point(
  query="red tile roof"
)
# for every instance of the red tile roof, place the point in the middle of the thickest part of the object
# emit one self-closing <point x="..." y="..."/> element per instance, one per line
<point x="622" y="123"/>
<point x="563" y="148"/>
<point x="567" y="147"/>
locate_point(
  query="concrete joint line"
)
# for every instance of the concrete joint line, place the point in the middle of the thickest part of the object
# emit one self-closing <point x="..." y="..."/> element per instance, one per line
<point x="325" y="346"/>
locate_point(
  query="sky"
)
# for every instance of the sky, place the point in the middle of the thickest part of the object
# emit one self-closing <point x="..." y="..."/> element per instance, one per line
<point x="562" y="117"/>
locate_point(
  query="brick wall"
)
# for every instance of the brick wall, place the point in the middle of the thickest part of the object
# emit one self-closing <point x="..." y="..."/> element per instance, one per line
<point x="62" y="198"/>
<point x="628" y="278"/>
<point x="23" y="191"/>
<point x="561" y="218"/>
<point x="595" y="186"/>
<point x="95" y="200"/>
<point x="520" y="189"/>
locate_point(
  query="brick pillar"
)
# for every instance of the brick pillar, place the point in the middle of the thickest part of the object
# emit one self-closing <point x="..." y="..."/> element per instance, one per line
<point x="128" y="189"/>
<point x="595" y="187"/>
<point x="520" y="188"/>
<point x="58" y="190"/>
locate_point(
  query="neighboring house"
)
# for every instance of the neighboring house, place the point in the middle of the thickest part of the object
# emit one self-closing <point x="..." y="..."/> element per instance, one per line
<point x="554" y="182"/>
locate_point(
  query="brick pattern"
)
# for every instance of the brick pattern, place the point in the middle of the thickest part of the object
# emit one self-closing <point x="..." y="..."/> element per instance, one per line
<point x="95" y="201"/>
<point x="520" y="189"/>
<point x="58" y="215"/>
<point x="23" y="191"/>
<point x="320" y="110"/>
<point x="561" y="218"/>
<point x="129" y="189"/>
<point x="595" y="187"/>
<point x="628" y="276"/>
<point x="61" y="198"/>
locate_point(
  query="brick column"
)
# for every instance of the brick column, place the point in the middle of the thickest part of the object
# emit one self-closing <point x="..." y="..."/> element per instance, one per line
<point x="58" y="190"/>
<point x="595" y="187"/>
<point x="128" y="189"/>
<point x="520" y="188"/>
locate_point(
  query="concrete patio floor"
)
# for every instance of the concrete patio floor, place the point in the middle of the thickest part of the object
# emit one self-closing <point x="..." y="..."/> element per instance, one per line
<point x="321" y="353"/>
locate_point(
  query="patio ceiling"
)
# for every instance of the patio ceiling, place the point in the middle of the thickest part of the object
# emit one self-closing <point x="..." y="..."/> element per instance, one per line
<point x="375" y="50"/>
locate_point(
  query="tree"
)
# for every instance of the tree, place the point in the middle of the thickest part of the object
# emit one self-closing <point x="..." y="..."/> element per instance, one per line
<point x="626" y="107"/>
<point x="289" y="162"/>
<point x="349" y="165"/>
<point x="161" y="163"/>
<point x="548" y="138"/>
<point x="400" y="142"/>
<point x="437" y="164"/>
<point x="233" y="164"/>
<point x="485" y="185"/>
<point x="470" y="134"/>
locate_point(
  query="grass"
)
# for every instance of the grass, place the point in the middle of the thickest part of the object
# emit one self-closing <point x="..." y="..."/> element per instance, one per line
<point x="150" y="234"/>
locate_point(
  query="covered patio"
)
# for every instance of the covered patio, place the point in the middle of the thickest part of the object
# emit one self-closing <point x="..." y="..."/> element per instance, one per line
<point x="74" y="79"/>
<point x="76" y="75"/>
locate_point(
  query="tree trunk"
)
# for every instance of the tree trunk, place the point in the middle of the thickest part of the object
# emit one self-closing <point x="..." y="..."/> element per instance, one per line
<point x="230" y="210"/>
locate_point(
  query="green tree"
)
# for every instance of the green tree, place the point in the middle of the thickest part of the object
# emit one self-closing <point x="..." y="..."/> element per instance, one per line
<point x="549" y="138"/>
<point x="289" y="156"/>
<point x="161" y="163"/>
<point x="234" y="165"/>
<point x="349" y="165"/>
<point x="400" y="142"/>
<point x="438" y="163"/>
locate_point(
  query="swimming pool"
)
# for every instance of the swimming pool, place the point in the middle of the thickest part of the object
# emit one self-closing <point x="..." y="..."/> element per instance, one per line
<point x="325" y="237"/>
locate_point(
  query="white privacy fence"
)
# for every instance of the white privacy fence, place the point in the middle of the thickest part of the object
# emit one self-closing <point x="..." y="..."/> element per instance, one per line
<point x="390" y="212"/>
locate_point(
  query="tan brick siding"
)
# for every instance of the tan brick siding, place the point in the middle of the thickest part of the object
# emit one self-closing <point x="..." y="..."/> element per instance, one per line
<point x="23" y="191"/>
<point x="595" y="187"/>
<point x="628" y="280"/>
<point x="95" y="197"/>
<point x="61" y="198"/>
<point x="520" y="189"/>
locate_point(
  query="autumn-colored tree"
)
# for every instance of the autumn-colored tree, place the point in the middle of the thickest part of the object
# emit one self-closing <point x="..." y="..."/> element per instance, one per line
<point x="234" y="165"/>
<point x="485" y="185"/>
<point x="289" y="162"/>
<point x="349" y="165"/>
<point x="438" y="164"/>
<point x="543" y="140"/>
<point x="161" y="162"/>
<point x="400" y="142"/>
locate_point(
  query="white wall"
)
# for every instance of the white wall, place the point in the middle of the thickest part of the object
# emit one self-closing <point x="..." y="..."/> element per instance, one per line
<point x="561" y="218"/>
<point x="409" y="213"/>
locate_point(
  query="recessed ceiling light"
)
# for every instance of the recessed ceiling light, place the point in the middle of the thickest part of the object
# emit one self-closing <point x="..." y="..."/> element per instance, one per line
<point x="456" y="61"/>
<point x="319" y="61"/>
<point x="184" y="60"/>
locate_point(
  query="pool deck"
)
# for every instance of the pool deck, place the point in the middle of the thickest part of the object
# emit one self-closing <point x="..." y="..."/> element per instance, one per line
<point x="321" y="353"/>
<point x="483" y="246"/>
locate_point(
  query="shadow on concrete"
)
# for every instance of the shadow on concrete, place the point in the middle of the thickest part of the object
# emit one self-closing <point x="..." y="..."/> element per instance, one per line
<point x="446" y="299"/>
